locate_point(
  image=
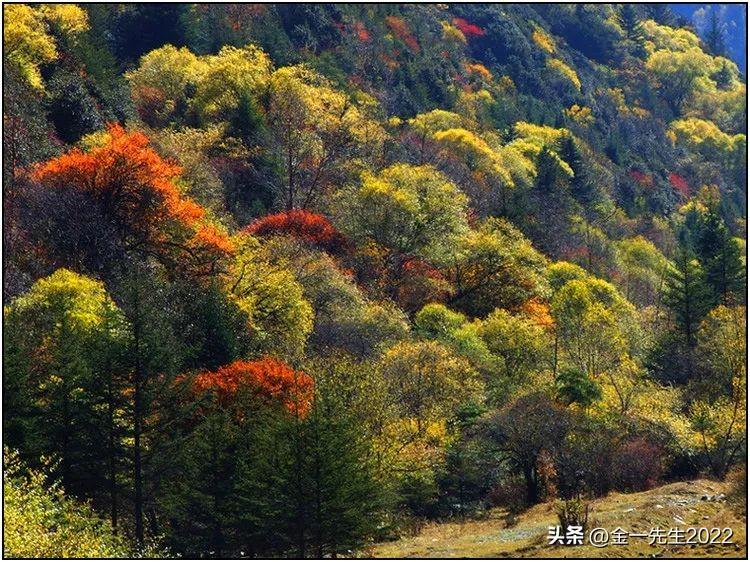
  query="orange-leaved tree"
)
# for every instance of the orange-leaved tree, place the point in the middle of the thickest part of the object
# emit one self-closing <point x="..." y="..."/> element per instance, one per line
<point x="267" y="378"/>
<point x="305" y="225"/>
<point x="133" y="192"/>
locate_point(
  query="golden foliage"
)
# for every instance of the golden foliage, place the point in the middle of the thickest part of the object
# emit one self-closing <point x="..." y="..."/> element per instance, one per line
<point x="563" y="70"/>
<point x="543" y="40"/>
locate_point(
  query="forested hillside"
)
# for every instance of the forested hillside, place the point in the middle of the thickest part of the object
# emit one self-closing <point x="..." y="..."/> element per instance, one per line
<point x="285" y="280"/>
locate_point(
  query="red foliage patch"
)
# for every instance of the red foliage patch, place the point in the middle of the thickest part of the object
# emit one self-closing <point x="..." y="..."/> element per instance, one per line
<point x="267" y="378"/>
<point x="402" y="31"/>
<point x="361" y="31"/>
<point x="641" y="177"/>
<point x="417" y="266"/>
<point x="148" y="102"/>
<point x="305" y="225"/>
<point x="468" y="28"/>
<point x="637" y="465"/>
<point x="418" y="282"/>
<point x="680" y="184"/>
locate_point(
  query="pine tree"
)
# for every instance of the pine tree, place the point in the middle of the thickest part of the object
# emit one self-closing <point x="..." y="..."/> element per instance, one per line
<point x="631" y="24"/>
<point x="660" y="13"/>
<point x="687" y="295"/>
<point x="715" y="33"/>
<point x="64" y="383"/>
<point x="723" y="77"/>
<point x="581" y="185"/>
<point x="721" y="259"/>
<point x="330" y="486"/>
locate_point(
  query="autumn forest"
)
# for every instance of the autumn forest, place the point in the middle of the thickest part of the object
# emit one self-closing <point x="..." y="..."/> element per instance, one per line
<point x="291" y="280"/>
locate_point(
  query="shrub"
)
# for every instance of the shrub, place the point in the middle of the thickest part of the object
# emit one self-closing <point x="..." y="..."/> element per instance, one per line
<point x="572" y="513"/>
<point x="40" y="521"/>
<point x="637" y="465"/>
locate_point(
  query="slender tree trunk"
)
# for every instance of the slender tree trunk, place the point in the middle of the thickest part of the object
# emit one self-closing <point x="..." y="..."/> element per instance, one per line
<point x="65" y="445"/>
<point x="137" y="421"/>
<point x="112" y="453"/>
<point x="554" y="357"/>
<point x="531" y="491"/>
<point x="300" y="499"/>
<point x="218" y="537"/>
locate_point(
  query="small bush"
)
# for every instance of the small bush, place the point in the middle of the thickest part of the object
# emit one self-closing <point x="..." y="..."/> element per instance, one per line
<point x="637" y="465"/>
<point x="510" y="494"/>
<point x="572" y="513"/>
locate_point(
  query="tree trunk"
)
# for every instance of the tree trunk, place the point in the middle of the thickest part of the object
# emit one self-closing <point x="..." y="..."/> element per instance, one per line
<point x="112" y="453"/>
<point x="137" y="422"/>
<point x="531" y="492"/>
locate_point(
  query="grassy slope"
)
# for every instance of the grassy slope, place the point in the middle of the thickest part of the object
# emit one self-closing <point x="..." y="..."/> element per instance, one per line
<point x="527" y="536"/>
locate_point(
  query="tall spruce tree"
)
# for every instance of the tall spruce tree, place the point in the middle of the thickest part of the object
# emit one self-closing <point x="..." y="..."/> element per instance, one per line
<point x="715" y="33"/>
<point x="721" y="259"/>
<point x="687" y="295"/>
<point x="630" y="22"/>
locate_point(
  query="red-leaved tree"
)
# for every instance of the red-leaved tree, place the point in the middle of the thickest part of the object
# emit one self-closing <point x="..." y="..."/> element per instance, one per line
<point x="305" y="225"/>
<point x="267" y="378"/>
<point x="467" y="28"/>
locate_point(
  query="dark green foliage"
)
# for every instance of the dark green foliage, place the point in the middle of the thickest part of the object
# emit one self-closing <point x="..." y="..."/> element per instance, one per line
<point x="212" y="328"/>
<point x="574" y="386"/>
<point x="721" y="258"/>
<point x="247" y="122"/>
<point x="137" y="29"/>
<point x="660" y="13"/>
<point x="552" y="203"/>
<point x="723" y="77"/>
<point x="248" y="479"/>
<point x="715" y="33"/>
<point x="687" y="295"/>
<point x="334" y="498"/>
<point x="67" y="329"/>
<point x="72" y="108"/>
<point x="630" y="22"/>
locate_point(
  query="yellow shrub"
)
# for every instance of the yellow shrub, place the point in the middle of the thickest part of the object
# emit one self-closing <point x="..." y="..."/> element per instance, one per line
<point x="580" y="114"/>
<point x="543" y="41"/>
<point x="564" y="71"/>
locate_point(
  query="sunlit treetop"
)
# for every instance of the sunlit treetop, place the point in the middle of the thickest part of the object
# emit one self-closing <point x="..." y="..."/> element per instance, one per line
<point x="136" y="189"/>
<point x="27" y="41"/>
<point x="539" y="134"/>
<point x="304" y="225"/>
<point x="543" y="40"/>
<point x="410" y="209"/>
<point x="67" y="19"/>
<point x="267" y="378"/>
<point x="80" y="302"/>
<point x="231" y="75"/>
<point x="532" y="140"/>
<point x="705" y="137"/>
<point x="268" y="293"/>
<point x="161" y="80"/>
<point x="669" y="38"/>
<point x="452" y="34"/>
<point x="429" y="123"/>
<point x="563" y="70"/>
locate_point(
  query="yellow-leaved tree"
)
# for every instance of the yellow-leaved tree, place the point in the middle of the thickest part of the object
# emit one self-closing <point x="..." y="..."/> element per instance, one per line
<point x="28" y="41"/>
<point x="320" y="133"/>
